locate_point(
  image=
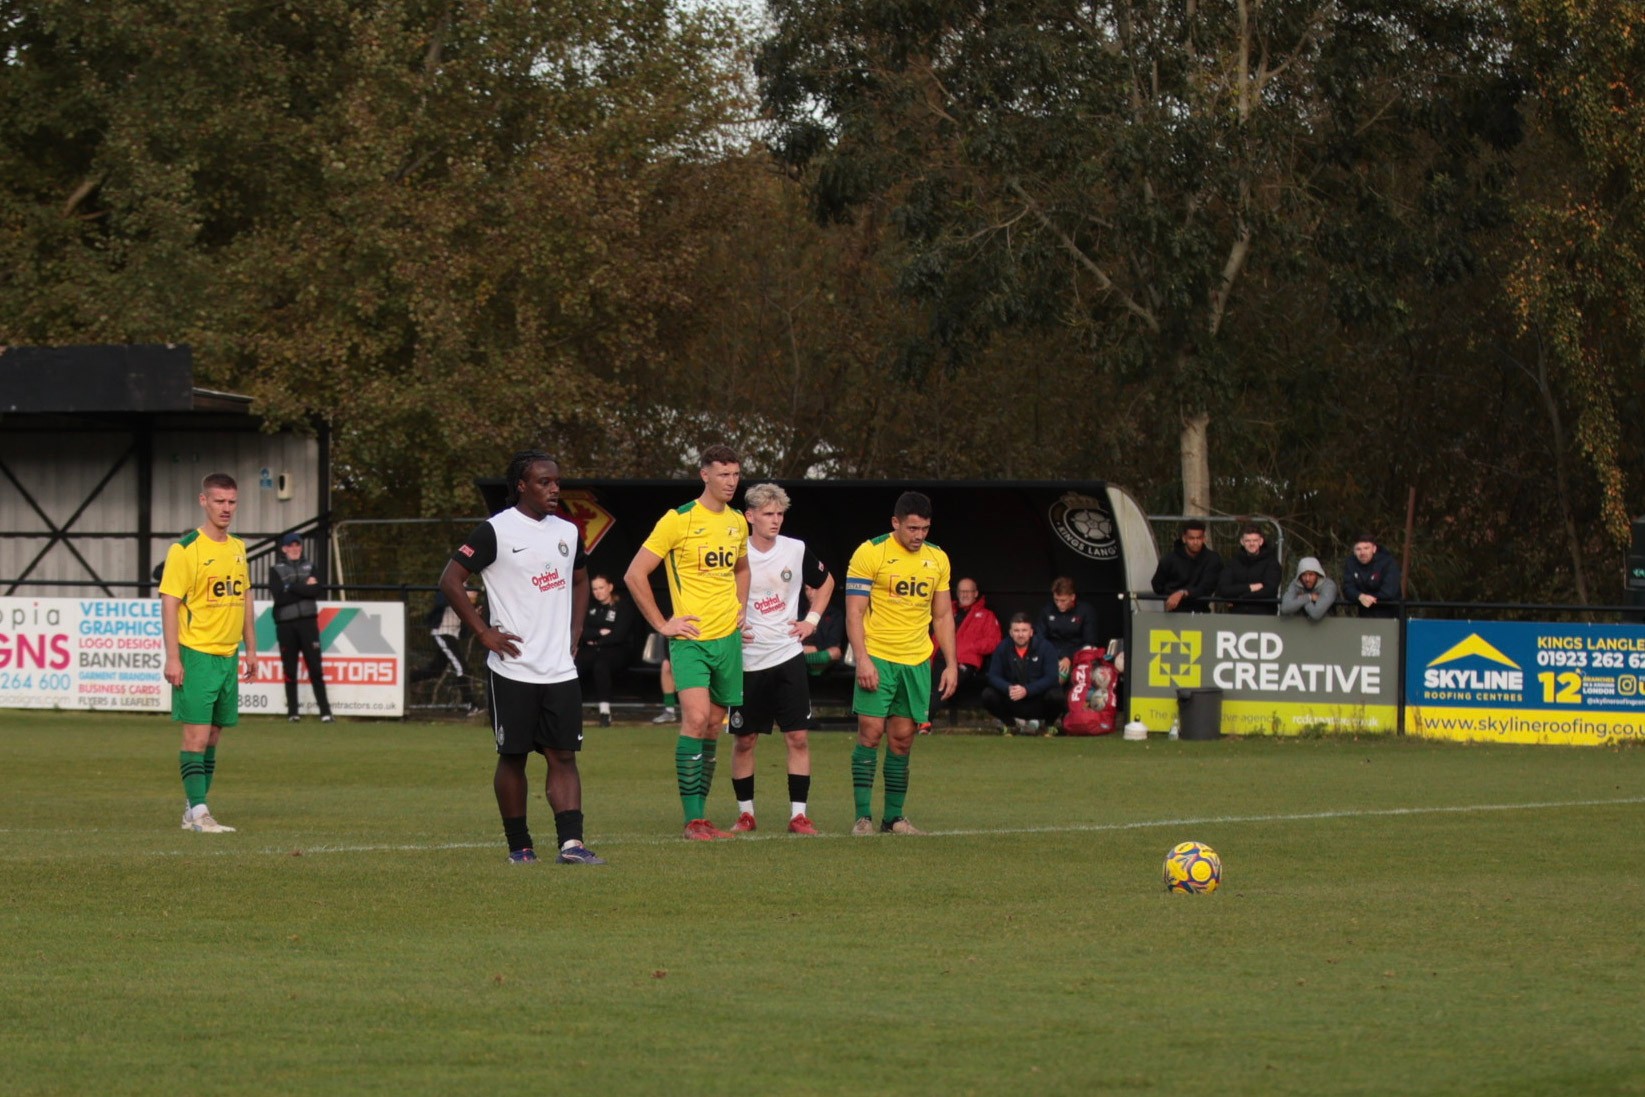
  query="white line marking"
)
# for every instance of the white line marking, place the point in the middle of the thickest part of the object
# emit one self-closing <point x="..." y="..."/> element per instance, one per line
<point x="1067" y="828"/>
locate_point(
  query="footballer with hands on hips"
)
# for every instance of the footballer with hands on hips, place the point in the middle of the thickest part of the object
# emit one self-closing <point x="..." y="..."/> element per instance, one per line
<point x="536" y="582"/>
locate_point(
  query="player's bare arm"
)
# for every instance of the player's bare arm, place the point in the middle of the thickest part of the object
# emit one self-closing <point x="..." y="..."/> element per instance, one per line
<point x="743" y="577"/>
<point x="638" y="581"/>
<point x="249" y="638"/>
<point x="452" y="585"/>
<point x="169" y="605"/>
<point x="579" y="606"/>
<point x="942" y="622"/>
<point x="817" y="599"/>
<point x="868" y="675"/>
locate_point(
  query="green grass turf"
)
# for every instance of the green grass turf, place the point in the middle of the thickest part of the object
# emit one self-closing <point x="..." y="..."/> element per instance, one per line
<point x="1397" y="917"/>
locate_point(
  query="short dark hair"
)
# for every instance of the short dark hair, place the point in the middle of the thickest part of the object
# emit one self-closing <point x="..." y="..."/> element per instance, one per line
<point x="517" y="466"/>
<point x="1366" y="537"/>
<point x="1192" y="525"/>
<point x="218" y="480"/>
<point x="719" y="455"/>
<point x="912" y="503"/>
<point x="1063" y="585"/>
<point x="1251" y="527"/>
<point x="1020" y="618"/>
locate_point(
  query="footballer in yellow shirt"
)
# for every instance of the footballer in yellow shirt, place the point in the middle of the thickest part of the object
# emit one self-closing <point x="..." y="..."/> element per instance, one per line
<point x="206" y="612"/>
<point x="896" y="596"/>
<point x="703" y="546"/>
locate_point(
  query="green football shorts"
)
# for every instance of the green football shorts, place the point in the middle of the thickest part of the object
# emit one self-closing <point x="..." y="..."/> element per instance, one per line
<point x="210" y="693"/>
<point x="905" y="690"/>
<point x="716" y="664"/>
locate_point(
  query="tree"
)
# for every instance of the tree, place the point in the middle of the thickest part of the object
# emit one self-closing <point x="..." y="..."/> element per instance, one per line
<point x="447" y="229"/>
<point x="1116" y="168"/>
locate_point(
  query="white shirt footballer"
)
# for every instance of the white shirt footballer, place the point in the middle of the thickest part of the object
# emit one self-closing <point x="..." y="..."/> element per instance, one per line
<point x="528" y="566"/>
<point x="776" y="581"/>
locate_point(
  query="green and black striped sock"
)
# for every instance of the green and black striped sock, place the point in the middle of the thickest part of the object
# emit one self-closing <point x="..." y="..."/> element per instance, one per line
<point x="864" y="760"/>
<point x="896" y="783"/>
<point x="210" y="759"/>
<point x="688" y="769"/>
<point x="711" y="758"/>
<point x="192" y="763"/>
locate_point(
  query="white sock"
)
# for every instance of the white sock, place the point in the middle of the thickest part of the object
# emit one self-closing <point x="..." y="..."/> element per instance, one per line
<point x="745" y="805"/>
<point x="796" y="807"/>
<point x="198" y="810"/>
<point x="605" y="708"/>
<point x="568" y="843"/>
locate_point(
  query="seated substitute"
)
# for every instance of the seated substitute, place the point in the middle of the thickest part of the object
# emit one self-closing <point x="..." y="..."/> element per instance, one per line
<point x="447" y="630"/>
<point x="1022" y="690"/>
<point x="1311" y="592"/>
<point x="1066" y="623"/>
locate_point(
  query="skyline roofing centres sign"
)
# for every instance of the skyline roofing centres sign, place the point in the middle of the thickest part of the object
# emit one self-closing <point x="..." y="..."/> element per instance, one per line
<point x="110" y="653"/>
<point x="1279" y="675"/>
<point x="1524" y="681"/>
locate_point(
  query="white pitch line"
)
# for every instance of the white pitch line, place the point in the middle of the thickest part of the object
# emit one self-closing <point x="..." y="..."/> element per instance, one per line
<point x="1067" y="828"/>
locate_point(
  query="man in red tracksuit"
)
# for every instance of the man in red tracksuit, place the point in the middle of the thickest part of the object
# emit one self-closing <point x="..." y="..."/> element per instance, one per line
<point x="976" y="635"/>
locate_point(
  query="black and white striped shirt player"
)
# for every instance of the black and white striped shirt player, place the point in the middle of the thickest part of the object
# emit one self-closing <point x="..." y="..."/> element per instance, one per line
<point x="536" y="583"/>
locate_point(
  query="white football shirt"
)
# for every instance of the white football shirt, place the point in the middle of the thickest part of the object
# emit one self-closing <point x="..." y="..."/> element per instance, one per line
<point x="776" y="583"/>
<point x="527" y="567"/>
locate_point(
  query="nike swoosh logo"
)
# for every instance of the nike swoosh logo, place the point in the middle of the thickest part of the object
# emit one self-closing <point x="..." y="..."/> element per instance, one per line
<point x="696" y="757"/>
<point x="208" y="563"/>
<point x="517" y="550"/>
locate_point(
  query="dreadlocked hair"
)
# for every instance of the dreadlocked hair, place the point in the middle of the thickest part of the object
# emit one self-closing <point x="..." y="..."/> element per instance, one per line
<point x="517" y="466"/>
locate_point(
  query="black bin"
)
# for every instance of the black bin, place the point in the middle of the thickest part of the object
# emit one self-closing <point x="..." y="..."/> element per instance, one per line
<point x="1199" y="713"/>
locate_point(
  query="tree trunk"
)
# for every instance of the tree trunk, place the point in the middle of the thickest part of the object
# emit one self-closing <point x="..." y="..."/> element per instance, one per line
<point x="1196" y="464"/>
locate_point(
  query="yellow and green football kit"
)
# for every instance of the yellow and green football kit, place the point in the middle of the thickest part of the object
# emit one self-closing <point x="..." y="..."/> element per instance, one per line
<point x="900" y="587"/>
<point x="210" y="579"/>
<point x="700" y="550"/>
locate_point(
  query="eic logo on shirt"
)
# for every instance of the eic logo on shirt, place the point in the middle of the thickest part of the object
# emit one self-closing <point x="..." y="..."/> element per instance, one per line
<point x="225" y="589"/>
<point x="716" y="559"/>
<point x="908" y="588"/>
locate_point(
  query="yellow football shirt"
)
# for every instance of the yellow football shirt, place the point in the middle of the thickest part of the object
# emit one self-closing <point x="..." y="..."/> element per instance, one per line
<point x="700" y="550"/>
<point x="899" y="586"/>
<point x="211" y="579"/>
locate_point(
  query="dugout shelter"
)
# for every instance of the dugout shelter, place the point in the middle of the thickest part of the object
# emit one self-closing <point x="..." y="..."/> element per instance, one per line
<point x="102" y="449"/>
<point x="1012" y="536"/>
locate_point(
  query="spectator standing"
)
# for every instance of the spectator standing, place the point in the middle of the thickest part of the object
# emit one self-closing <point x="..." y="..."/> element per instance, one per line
<point x="1251" y="577"/>
<point x="293" y="586"/>
<point x="1066" y="623"/>
<point x="1311" y="592"/>
<point x="608" y="641"/>
<point x="1371" y="579"/>
<point x="1188" y="574"/>
<point x="1022" y="685"/>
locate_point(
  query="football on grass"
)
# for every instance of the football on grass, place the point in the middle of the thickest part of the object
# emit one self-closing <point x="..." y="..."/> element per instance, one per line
<point x="1193" y="868"/>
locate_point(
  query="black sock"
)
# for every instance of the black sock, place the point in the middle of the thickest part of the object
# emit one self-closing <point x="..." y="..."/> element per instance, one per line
<point x="568" y="826"/>
<point x="799" y="787"/>
<point x="515" y="831"/>
<point x="743" y="788"/>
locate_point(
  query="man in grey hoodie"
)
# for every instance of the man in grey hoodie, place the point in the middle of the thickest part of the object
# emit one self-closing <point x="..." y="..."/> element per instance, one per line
<point x="1310" y="592"/>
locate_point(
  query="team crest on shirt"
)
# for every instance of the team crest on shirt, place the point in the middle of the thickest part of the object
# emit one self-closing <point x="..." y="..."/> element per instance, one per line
<point x="563" y="550"/>
<point x="731" y="531"/>
<point x="788" y="573"/>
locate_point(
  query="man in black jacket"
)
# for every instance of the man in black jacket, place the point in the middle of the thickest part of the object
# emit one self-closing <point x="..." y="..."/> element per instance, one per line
<point x="1250" y="579"/>
<point x="1371" y="579"/>
<point x="294" y="586"/>
<point x="1188" y="574"/>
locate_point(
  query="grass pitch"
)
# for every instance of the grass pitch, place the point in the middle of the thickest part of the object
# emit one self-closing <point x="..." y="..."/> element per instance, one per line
<point x="1395" y="917"/>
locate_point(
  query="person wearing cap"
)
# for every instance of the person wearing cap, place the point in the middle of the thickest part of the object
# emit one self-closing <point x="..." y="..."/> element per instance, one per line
<point x="1311" y="592"/>
<point x="293" y="586"/>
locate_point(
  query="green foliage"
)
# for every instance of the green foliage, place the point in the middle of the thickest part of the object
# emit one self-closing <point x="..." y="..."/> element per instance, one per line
<point x="446" y="229"/>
